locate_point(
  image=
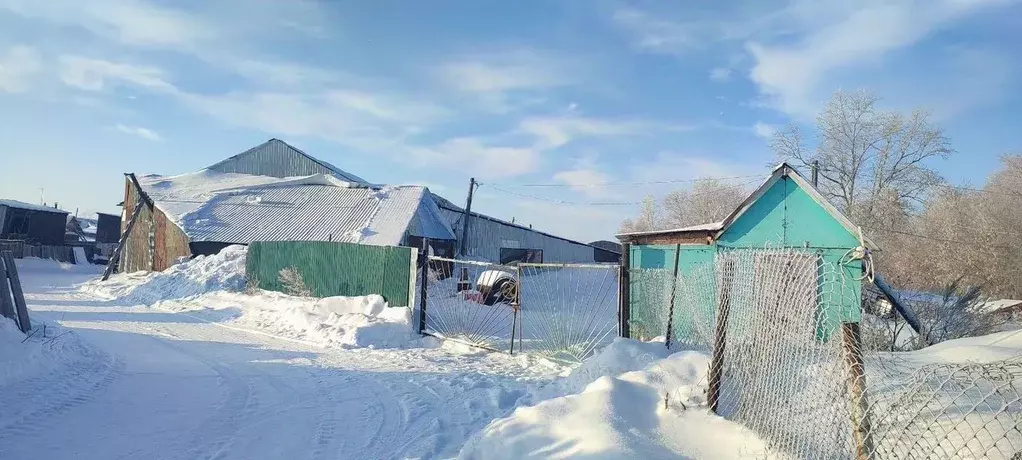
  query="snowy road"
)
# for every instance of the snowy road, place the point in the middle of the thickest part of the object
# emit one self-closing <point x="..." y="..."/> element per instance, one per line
<point x="151" y="384"/>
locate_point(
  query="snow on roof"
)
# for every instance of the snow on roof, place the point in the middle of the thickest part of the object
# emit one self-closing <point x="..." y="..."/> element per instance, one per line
<point x="710" y="227"/>
<point x="29" y="206"/>
<point x="241" y="208"/>
<point x="992" y="306"/>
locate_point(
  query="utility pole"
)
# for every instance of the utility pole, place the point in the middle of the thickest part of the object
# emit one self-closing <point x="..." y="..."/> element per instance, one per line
<point x="468" y="215"/>
<point x="816" y="173"/>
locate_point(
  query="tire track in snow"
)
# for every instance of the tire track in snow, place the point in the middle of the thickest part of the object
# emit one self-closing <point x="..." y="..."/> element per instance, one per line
<point x="56" y="392"/>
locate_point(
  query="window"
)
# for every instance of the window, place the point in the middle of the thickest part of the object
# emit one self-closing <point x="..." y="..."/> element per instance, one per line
<point x="508" y="255"/>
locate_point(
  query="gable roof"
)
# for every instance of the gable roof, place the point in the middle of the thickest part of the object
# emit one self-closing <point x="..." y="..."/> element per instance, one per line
<point x="241" y="208"/>
<point x="785" y="170"/>
<point x="277" y="158"/>
<point x="716" y="229"/>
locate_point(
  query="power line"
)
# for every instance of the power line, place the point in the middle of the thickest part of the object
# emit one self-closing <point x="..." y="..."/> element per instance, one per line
<point x="628" y="184"/>
<point x="601" y="203"/>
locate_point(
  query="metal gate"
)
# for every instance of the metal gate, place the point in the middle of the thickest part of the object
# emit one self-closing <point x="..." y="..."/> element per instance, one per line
<point x="563" y="311"/>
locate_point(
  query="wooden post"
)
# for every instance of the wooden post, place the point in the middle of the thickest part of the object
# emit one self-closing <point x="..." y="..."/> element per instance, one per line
<point x="424" y="266"/>
<point x="862" y="429"/>
<point x="720" y="336"/>
<point x="19" y="295"/>
<point x="124" y="239"/>
<point x="624" y="301"/>
<point x="6" y="302"/>
<point x="468" y="215"/>
<point x="674" y="289"/>
<point x="517" y="305"/>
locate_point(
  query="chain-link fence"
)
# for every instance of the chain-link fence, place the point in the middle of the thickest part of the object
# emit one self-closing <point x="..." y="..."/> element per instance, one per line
<point x="784" y="328"/>
<point x="562" y="311"/>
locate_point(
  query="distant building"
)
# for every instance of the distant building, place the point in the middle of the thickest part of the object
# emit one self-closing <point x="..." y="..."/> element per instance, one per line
<point x="607" y="251"/>
<point x="275" y="192"/>
<point x="108" y="228"/>
<point x="32" y="223"/>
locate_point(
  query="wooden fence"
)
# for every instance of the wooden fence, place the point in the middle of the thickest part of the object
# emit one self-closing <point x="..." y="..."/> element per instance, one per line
<point x="20" y="250"/>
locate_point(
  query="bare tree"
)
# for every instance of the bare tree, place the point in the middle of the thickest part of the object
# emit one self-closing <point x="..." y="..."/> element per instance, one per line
<point x="648" y="217"/>
<point x="709" y="200"/>
<point x="866" y="155"/>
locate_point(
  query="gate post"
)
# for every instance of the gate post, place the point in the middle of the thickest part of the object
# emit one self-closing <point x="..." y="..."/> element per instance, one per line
<point x="624" y="292"/>
<point x="424" y="268"/>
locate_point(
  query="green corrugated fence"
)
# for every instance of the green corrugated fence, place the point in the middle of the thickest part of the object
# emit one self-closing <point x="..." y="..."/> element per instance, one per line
<point x="332" y="269"/>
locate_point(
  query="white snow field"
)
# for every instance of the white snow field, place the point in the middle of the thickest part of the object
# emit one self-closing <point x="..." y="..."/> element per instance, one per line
<point x="185" y="364"/>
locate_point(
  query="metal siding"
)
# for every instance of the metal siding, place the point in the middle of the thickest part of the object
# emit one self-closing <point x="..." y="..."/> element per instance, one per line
<point x="276" y="158"/>
<point x="3" y="223"/>
<point x="486" y="237"/>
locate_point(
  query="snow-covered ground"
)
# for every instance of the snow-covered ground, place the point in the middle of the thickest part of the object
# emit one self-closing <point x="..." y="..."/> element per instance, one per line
<point x="186" y="364"/>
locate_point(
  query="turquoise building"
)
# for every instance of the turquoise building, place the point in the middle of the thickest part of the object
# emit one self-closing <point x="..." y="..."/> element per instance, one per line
<point x="785" y="213"/>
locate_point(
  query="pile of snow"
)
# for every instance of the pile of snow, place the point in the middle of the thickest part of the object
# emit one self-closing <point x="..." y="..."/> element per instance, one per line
<point x="653" y="413"/>
<point x="224" y="271"/>
<point x="346" y="322"/>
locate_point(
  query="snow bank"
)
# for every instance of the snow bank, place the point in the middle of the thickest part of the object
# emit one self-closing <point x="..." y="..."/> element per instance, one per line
<point x="46" y="351"/>
<point x="224" y="271"/>
<point x="653" y="413"/>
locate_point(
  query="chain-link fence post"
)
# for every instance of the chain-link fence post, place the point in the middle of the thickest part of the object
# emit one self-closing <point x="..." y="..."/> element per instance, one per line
<point x="624" y="291"/>
<point x="424" y="267"/>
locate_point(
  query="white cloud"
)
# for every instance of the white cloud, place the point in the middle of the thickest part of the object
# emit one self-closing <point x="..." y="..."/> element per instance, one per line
<point x="720" y="74"/>
<point x="764" y="130"/>
<point x="98" y="74"/>
<point x="19" y="66"/>
<point x="791" y="76"/>
<point x="660" y="35"/>
<point x="131" y="22"/>
<point x="508" y="80"/>
<point x="505" y="71"/>
<point x="557" y="131"/>
<point x="484" y="159"/>
<point x="139" y="131"/>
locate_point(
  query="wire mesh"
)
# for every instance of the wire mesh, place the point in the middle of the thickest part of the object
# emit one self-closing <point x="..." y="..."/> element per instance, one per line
<point x="472" y="302"/>
<point x="568" y="310"/>
<point x="788" y="361"/>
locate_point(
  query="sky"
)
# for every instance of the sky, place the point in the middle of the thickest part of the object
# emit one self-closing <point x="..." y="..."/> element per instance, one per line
<point x="573" y="93"/>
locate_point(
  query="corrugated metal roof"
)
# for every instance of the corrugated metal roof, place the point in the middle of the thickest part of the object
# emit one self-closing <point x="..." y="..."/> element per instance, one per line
<point x="710" y="227"/>
<point x="277" y="158"/>
<point x="29" y="206"/>
<point x="241" y="208"/>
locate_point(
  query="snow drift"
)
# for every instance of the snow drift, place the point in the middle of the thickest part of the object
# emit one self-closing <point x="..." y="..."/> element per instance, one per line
<point x="346" y="322"/>
<point x="652" y="413"/>
<point x="224" y="271"/>
<point x="209" y="287"/>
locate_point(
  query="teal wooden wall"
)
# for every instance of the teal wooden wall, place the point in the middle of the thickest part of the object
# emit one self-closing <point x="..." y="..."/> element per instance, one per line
<point x="785" y="216"/>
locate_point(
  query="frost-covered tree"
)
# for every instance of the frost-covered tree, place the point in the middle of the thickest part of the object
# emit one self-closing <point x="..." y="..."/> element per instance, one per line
<point x="709" y="200"/>
<point x="649" y="218"/>
<point x="868" y="156"/>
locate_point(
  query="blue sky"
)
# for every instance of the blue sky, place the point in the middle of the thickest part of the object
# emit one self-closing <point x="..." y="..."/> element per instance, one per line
<point x="567" y="92"/>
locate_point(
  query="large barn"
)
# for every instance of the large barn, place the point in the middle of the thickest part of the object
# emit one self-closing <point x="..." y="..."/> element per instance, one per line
<point x="275" y="192"/>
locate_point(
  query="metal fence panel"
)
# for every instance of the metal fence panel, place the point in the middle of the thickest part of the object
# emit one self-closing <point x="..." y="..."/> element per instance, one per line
<point x="333" y="269"/>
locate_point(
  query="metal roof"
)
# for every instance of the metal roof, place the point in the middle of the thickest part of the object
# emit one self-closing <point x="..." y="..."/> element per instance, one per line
<point x="241" y="208"/>
<point x="29" y="206"/>
<point x="710" y="227"/>
<point x="277" y="158"/>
